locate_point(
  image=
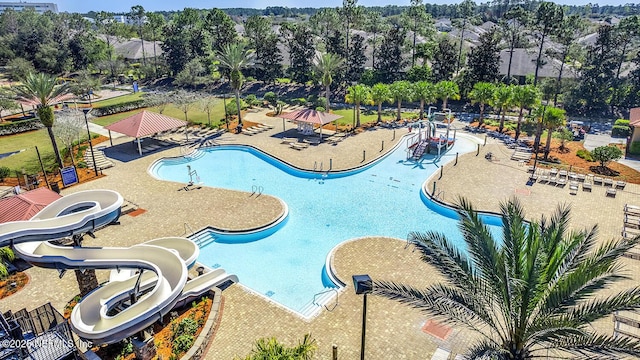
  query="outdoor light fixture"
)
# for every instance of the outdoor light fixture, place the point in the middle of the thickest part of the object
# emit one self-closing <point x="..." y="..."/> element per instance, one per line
<point x="86" y="122"/>
<point x="363" y="285"/>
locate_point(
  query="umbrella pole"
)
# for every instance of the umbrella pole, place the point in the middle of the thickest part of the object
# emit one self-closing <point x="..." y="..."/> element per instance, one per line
<point x="283" y="128"/>
<point x="110" y="139"/>
<point x="139" y="147"/>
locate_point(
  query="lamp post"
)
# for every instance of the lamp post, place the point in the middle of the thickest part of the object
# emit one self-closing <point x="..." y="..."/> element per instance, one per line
<point x="362" y="284"/>
<point x="86" y="122"/>
<point x="538" y="136"/>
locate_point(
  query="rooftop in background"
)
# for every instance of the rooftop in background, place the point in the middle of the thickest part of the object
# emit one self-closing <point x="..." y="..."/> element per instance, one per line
<point x="634" y="117"/>
<point x="26" y="205"/>
<point x="40" y="8"/>
<point x="524" y="63"/>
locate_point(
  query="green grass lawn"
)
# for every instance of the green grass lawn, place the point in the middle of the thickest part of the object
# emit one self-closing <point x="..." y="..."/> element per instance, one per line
<point x="27" y="159"/>
<point x="117" y="100"/>
<point x="365" y="119"/>
<point x="195" y="114"/>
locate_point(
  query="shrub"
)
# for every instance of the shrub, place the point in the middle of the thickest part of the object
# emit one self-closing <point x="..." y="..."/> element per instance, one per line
<point x="118" y="108"/>
<point x="187" y="326"/>
<point x="283" y="81"/>
<point x="16" y="127"/>
<point x="621" y="122"/>
<point x="182" y="344"/>
<point x="584" y="154"/>
<point x="321" y="102"/>
<point x="320" y="109"/>
<point x="232" y="109"/>
<point x="605" y="154"/>
<point x="620" y="131"/>
<point x="635" y="148"/>
<point x="251" y="100"/>
<point x="4" y="173"/>
<point x="299" y="101"/>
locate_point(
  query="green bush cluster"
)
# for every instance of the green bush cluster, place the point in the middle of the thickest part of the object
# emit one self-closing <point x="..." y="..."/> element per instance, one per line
<point x="16" y="127"/>
<point x="252" y="100"/>
<point x="620" y="131"/>
<point x="183" y="335"/>
<point x="118" y="108"/>
<point x="4" y="173"/>
<point x="635" y="148"/>
<point x="585" y="154"/>
<point x="232" y="109"/>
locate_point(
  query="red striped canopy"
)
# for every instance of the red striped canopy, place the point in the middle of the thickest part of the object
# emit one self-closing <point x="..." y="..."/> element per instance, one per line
<point x="145" y="123"/>
<point x="311" y="116"/>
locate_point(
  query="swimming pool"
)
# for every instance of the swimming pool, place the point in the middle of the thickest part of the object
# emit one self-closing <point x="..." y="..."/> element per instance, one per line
<point x="382" y="199"/>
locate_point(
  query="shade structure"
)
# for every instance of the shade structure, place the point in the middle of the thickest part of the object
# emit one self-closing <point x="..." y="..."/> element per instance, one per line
<point x="26" y="205"/>
<point x="311" y="116"/>
<point x="145" y="123"/>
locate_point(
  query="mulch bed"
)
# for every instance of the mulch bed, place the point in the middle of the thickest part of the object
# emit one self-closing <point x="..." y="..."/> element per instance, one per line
<point x="12" y="284"/>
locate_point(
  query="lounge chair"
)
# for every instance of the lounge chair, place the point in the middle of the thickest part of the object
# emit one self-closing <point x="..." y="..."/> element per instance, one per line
<point x="620" y="185"/>
<point x="562" y="173"/>
<point x="298" y="146"/>
<point x="561" y="182"/>
<point x="552" y="180"/>
<point x="544" y="177"/>
<point x="607" y="182"/>
<point x="632" y="210"/>
<point x="581" y="177"/>
<point x="553" y="171"/>
<point x="597" y="180"/>
<point x="573" y="188"/>
<point x="586" y="186"/>
<point x="611" y="192"/>
<point x="288" y="140"/>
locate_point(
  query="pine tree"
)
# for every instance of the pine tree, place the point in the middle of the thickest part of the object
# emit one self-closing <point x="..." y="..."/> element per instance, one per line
<point x="391" y="63"/>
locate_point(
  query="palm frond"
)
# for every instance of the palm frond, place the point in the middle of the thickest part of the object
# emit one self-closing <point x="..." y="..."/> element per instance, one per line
<point x="486" y="350"/>
<point x="598" y="346"/>
<point x="438" y="251"/>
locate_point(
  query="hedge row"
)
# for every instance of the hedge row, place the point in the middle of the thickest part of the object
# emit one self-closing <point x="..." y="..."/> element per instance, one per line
<point x="17" y="127"/>
<point x="118" y="108"/>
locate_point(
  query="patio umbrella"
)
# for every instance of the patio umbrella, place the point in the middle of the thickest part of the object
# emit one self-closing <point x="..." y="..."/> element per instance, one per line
<point x="310" y="116"/>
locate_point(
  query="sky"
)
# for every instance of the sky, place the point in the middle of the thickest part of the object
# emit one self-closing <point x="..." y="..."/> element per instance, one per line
<point x="84" y="6"/>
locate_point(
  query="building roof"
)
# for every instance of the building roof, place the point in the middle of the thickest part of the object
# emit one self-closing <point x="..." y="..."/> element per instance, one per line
<point x="132" y="49"/>
<point x="634" y="117"/>
<point x="26" y="205"/>
<point x="523" y="63"/>
<point x="145" y="123"/>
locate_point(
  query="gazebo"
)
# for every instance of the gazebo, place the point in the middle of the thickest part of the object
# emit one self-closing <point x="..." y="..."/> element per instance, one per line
<point x="307" y="118"/>
<point x="143" y="124"/>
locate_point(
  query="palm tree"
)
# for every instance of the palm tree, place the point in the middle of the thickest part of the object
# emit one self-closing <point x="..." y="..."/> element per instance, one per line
<point x="380" y="93"/>
<point x="525" y="97"/>
<point x="424" y="91"/>
<point x="272" y="349"/>
<point x="482" y="94"/>
<point x="529" y="291"/>
<point x="326" y="65"/>
<point x="5" y="254"/>
<point x="358" y="94"/>
<point x="447" y="90"/>
<point x="41" y="90"/>
<point x="401" y="90"/>
<point x="551" y="118"/>
<point x="235" y="57"/>
<point x="502" y="100"/>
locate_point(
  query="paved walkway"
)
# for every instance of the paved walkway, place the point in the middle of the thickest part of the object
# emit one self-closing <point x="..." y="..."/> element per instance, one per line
<point x="394" y="330"/>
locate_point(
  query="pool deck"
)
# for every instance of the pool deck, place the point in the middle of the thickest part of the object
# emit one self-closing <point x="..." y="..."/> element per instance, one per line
<point x="392" y="328"/>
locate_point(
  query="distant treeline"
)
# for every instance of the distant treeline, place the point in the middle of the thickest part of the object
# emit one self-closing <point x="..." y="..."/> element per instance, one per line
<point x="487" y="11"/>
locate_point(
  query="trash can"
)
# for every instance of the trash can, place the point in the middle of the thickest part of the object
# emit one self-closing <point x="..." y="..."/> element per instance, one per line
<point x="55" y="187"/>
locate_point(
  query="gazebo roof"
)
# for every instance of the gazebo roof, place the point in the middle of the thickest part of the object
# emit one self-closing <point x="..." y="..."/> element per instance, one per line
<point x="145" y="123"/>
<point x="311" y="116"/>
<point x="26" y="205"/>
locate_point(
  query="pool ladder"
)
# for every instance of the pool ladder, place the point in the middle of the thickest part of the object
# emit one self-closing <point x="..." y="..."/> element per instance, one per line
<point x="255" y="189"/>
<point x="315" y="166"/>
<point x="320" y="295"/>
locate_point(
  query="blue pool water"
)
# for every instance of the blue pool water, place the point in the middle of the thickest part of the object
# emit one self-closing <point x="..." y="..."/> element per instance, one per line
<point x="287" y="266"/>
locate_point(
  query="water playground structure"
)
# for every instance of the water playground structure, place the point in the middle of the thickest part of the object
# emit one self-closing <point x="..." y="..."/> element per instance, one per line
<point x="431" y="136"/>
<point x="147" y="280"/>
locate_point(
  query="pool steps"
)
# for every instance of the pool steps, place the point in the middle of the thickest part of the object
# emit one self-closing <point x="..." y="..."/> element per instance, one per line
<point x="323" y="298"/>
<point x="203" y="239"/>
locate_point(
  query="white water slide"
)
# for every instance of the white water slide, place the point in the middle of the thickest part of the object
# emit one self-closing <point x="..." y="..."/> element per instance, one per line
<point x="154" y="272"/>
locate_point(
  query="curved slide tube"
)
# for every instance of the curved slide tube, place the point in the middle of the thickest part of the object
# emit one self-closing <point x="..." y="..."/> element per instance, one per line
<point x="163" y="263"/>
